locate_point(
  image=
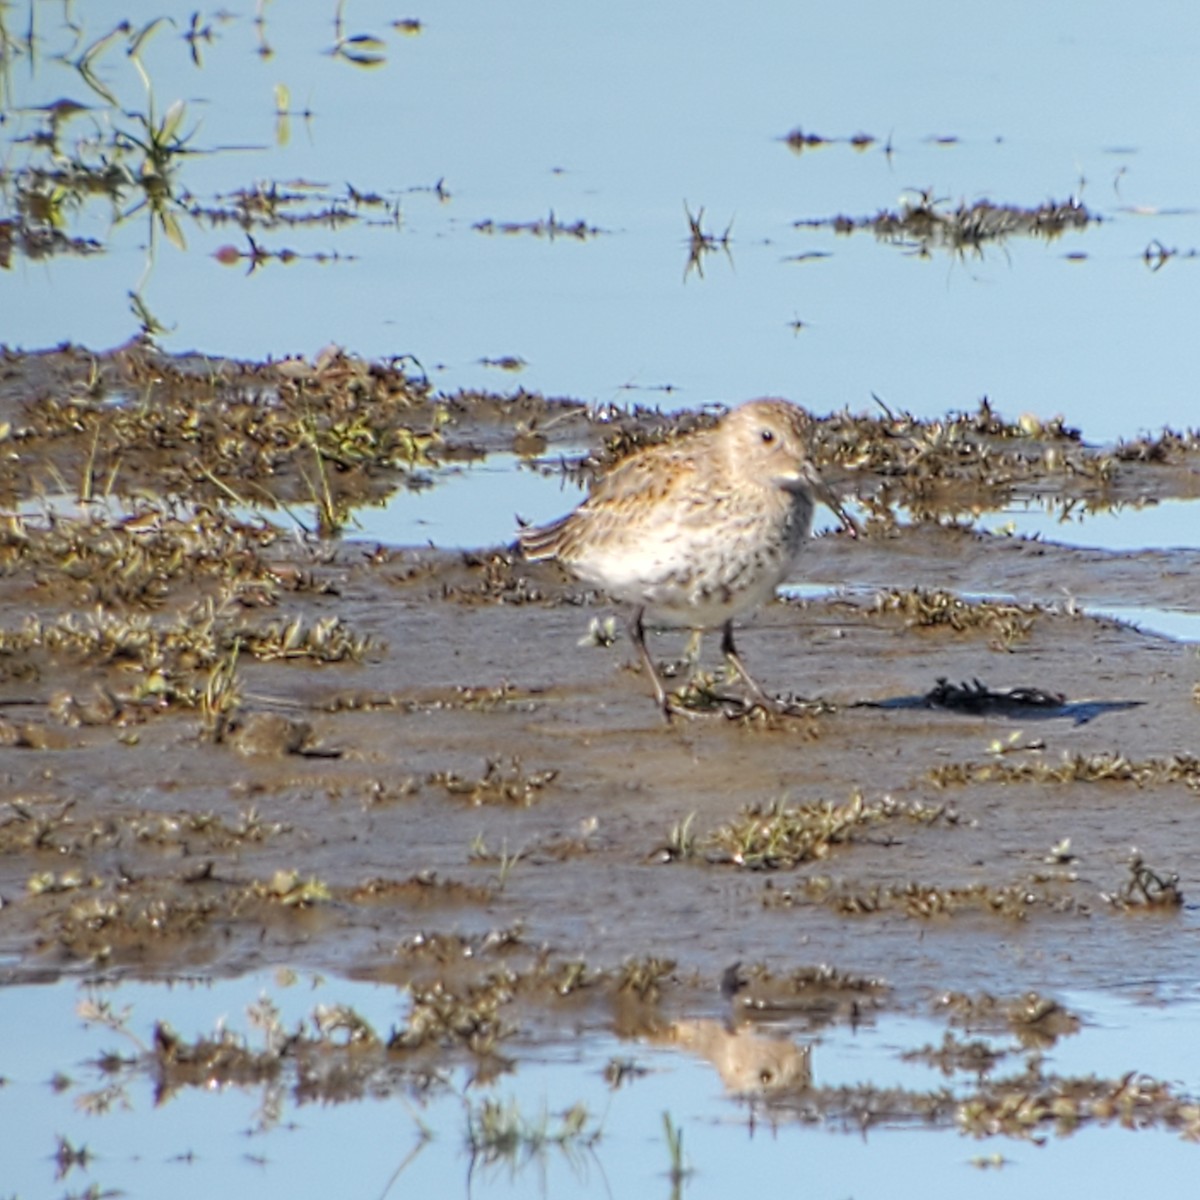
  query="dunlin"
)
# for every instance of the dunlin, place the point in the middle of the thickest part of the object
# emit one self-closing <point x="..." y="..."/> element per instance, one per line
<point x="696" y="531"/>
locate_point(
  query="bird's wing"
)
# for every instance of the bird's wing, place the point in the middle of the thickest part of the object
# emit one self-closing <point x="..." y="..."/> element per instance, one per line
<point x="626" y="497"/>
<point x="643" y="480"/>
<point x="641" y="519"/>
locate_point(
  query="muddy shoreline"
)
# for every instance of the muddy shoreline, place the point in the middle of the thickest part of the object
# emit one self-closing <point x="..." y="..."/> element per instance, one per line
<point x="226" y="747"/>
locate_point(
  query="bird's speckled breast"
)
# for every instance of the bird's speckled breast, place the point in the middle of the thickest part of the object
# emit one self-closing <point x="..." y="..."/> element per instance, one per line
<point x="706" y="575"/>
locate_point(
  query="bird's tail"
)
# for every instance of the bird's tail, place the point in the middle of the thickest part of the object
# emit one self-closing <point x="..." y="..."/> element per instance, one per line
<point x="542" y="541"/>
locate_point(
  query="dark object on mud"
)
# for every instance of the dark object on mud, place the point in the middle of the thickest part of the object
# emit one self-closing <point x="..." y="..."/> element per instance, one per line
<point x="977" y="699"/>
<point x="269" y="735"/>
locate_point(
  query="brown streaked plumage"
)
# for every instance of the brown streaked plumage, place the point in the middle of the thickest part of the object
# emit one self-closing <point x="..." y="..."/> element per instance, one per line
<point x="694" y="532"/>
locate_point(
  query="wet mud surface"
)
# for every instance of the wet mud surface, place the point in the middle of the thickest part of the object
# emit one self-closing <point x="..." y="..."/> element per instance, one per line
<point x="226" y="747"/>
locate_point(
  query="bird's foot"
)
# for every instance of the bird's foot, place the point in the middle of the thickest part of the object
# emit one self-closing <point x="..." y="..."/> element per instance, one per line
<point x="705" y="696"/>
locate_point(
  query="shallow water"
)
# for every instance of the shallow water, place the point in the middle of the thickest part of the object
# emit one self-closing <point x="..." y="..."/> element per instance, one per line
<point x="1159" y="525"/>
<point x="1178" y="625"/>
<point x="403" y="1136"/>
<point x="523" y="110"/>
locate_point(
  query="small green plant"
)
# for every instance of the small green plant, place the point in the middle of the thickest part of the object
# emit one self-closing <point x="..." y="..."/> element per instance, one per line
<point x="701" y="242"/>
<point x="600" y="633"/>
<point x="162" y="143"/>
<point x="681" y="841"/>
<point x="358" y="49"/>
<point x="222" y="695"/>
<point x="498" y="1132"/>
<point x="331" y="516"/>
<point x="679" y="1169"/>
<point x="506" y="862"/>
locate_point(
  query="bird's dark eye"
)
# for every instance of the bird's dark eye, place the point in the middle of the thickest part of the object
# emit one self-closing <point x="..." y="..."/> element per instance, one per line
<point x="768" y="435"/>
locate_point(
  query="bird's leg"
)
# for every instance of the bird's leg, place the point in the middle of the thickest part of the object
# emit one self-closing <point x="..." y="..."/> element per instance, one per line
<point x="730" y="651"/>
<point x="637" y="630"/>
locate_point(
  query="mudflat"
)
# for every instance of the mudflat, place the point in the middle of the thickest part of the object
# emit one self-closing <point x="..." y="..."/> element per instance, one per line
<point x="225" y="745"/>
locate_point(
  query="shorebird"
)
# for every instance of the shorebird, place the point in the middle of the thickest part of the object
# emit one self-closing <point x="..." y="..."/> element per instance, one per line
<point x="696" y="531"/>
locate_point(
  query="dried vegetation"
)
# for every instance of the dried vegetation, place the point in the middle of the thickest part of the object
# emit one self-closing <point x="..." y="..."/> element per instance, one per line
<point x="926" y="224"/>
<point x="1004" y="623"/>
<point x="500" y="783"/>
<point x="1074" y="768"/>
<point x="332" y="433"/>
<point x="779" y="835"/>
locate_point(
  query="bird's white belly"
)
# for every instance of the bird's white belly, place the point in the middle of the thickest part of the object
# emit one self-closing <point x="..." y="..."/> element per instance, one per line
<point x="698" y="581"/>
